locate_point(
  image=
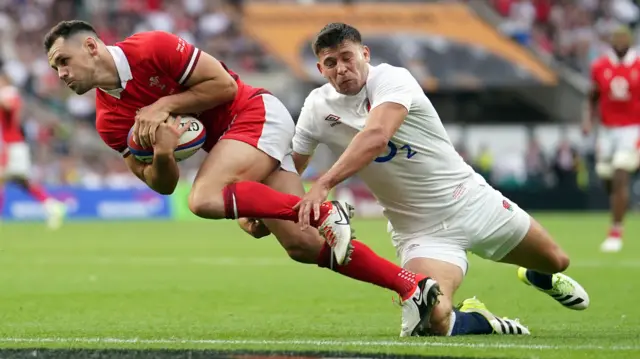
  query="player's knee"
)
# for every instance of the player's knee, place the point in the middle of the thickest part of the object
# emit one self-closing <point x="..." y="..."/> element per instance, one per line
<point x="209" y="206"/>
<point x="556" y="261"/>
<point x="441" y="317"/>
<point x="301" y="252"/>
<point x="561" y="262"/>
<point x="604" y="170"/>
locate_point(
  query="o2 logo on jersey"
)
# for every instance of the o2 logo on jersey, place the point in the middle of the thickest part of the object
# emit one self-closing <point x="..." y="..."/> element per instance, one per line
<point x="393" y="152"/>
<point x="619" y="87"/>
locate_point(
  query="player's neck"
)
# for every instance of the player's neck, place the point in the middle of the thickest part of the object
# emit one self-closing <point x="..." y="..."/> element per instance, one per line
<point x="106" y="73"/>
<point x="621" y="53"/>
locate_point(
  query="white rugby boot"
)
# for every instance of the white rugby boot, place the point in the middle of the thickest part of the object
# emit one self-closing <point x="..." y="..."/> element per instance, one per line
<point x="416" y="311"/>
<point x="564" y="290"/>
<point x="335" y="227"/>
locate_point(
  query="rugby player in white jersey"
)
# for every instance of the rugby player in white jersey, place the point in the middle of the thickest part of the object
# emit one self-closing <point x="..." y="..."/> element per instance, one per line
<point x="380" y="124"/>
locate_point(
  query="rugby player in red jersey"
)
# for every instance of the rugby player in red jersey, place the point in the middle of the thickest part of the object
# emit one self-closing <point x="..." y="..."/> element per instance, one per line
<point x="615" y="99"/>
<point x="149" y="76"/>
<point x="15" y="157"/>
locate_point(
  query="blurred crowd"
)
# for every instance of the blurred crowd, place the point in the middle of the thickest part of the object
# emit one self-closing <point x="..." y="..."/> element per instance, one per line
<point x="59" y="125"/>
<point x="573" y="31"/>
<point x="565" y="168"/>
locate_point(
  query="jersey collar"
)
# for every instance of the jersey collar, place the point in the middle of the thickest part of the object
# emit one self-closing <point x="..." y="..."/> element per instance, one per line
<point x="629" y="58"/>
<point x="124" y="71"/>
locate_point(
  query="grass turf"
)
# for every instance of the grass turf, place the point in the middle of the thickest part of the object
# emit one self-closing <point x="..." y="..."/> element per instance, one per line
<point x="207" y="285"/>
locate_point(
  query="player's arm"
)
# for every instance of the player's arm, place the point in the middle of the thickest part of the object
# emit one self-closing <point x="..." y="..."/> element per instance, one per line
<point x="9" y="99"/>
<point x="161" y="175"/>
<point x="589" y="116"/>
<point x="209" y="83"/>
<point x="304" y="142"/>
<point x="391" y="103"/>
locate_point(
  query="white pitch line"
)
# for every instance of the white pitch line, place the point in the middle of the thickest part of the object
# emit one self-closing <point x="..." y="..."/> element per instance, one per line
<point x="317" y="343"/>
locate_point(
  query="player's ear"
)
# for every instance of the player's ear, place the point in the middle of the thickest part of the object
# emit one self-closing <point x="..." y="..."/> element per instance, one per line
<point x="91" y="45"/>
<point x="366" y="53"/>
<point x="319" y="68"/>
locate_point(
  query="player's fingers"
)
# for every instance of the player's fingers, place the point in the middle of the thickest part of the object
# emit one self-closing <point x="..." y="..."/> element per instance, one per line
<point x="184" y="128"/>
<point x="316" y="210"/>
<point x="306" y="215"/>
<point x="297" y="206"/>
<point x="136" y="138"/>
<point x="301" y="211"/>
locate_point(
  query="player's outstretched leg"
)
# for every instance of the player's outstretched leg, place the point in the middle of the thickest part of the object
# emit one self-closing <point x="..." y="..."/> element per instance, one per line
<point x="472" y="317"/>
<point x="448" y="271"/>
<point x="545" y="261"/>
<point x="228" y="186"/>
<point x="55" y="210"/>
<point x="418" y="293"/>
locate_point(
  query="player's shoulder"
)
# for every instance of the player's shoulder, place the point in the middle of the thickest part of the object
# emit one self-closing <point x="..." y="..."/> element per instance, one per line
<point x="385" y="75"/>
<point x="9" y="92"/>
<point x="603" y="61"/>
<point x="387" y="70"/>
<point x="141" y="45"/>
<point x="319" y="94"/>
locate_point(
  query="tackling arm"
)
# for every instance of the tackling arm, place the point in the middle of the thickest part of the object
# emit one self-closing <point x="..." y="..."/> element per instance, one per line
<point x="382" y="124"/>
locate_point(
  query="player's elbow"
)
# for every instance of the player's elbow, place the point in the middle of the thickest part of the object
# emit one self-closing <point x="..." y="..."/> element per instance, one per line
<point x="166" y="190"/>
<point x="377" y="139"/>
<point x="228" y="88"/>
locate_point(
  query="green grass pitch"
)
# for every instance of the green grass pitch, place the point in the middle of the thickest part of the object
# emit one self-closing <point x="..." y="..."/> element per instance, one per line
<point x="208" y="285"/>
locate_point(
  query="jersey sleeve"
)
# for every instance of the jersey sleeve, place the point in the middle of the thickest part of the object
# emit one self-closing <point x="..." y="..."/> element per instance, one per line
<point x="10" y="97"/>
<point x="173" y="55"/>
<point x="304" y="141"/>
<point x="112" y="135"/>
<point x="395" y="85"/>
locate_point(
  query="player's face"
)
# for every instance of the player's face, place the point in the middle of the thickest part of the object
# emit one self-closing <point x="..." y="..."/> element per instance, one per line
<point x="345" y="66"/>
<point x="74" y="60"/>
<point x="620" y="41"/>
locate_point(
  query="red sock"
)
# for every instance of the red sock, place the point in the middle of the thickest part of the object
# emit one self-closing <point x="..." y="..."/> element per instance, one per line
<point x="367" y="266"/>
<point x="255" y="200"/>
<point x="37" y="192"/>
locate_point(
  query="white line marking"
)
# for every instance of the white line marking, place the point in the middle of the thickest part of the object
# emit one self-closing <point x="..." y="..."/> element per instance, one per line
<point x="236" y="261"/>
<point x="311" y="342"/>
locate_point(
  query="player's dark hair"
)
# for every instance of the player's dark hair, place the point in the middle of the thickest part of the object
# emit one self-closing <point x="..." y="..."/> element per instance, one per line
<point x="66" y="29"/>
<point x="333" y="35"/>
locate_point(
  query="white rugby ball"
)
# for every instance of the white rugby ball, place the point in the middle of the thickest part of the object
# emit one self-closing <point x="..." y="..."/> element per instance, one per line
<point x="190" y="142"/>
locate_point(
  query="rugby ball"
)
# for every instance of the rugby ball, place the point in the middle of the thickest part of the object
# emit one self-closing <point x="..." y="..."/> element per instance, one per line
<point x="190" y="142"/>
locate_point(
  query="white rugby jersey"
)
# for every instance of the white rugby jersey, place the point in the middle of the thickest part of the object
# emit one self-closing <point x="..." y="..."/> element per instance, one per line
<point x="420" y="180"/>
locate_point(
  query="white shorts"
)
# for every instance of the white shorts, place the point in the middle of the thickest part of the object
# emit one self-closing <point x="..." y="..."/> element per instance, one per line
<point x="18" y="160"/>
<point x="489" y="226"/>
<point x="266" y="124"/>
<point x="617" y="148"/>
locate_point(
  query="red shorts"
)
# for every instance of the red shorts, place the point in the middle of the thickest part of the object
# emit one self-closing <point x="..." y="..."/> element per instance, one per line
<point x="266" y="124"/>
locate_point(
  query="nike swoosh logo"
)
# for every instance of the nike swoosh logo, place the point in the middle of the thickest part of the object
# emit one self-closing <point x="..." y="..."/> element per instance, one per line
<point x="344" y="218"/>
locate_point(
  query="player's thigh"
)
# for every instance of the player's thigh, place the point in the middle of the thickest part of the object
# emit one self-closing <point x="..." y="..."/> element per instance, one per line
<point x="301" y="245"/>
<point x="256" y="144"/>
<point x="501" y="231"/>
<point x="626" y="156"/>
<point x="538" y="251"/>
<point x="18" y="163"/>
<point x="605" y="148"/>
<point x="442" y="256"/>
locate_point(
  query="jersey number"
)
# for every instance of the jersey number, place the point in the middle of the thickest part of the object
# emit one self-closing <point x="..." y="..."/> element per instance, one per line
<point x="619" y="88"/>
<point x="393" y="151"/>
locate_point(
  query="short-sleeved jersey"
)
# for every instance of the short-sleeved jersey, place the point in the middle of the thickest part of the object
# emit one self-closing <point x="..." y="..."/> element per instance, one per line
<point x="420" y="180"/>
<point x="10" y="127"/>
<point x="618" y="81"/>
<point x="152" y="65"/>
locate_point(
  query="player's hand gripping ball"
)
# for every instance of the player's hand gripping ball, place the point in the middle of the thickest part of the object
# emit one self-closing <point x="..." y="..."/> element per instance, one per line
<point x="190" y="142"/>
